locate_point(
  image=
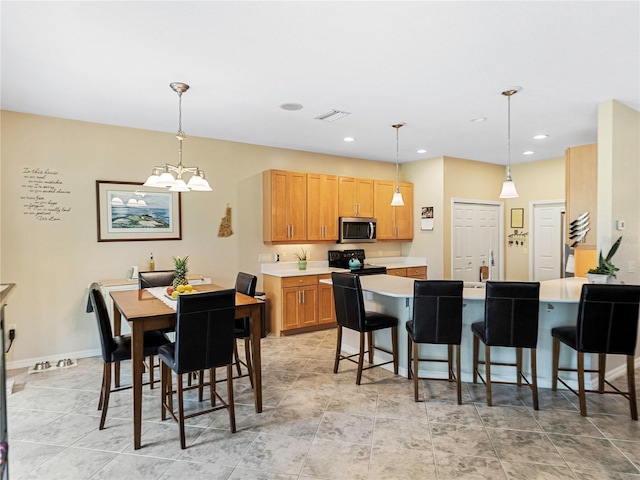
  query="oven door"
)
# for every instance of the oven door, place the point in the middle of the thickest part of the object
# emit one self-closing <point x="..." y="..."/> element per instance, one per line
<point x="357" y="230"/>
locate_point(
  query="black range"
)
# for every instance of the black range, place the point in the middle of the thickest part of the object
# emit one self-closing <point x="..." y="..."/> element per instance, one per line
<point x="340" y="259"/>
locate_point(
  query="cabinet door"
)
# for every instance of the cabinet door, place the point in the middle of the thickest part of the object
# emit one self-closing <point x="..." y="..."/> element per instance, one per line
<point x="322" y="207"/>
<point x="364" y="197"/>
<point x="308" y="307"/>
<point x="347" y="197"/>
<point x="326" y="307"/>
<point x="278" y="208"/>
<point x="383" y="211"/>
<point x="297" y="206"/>
<point x="404" y="215"/>
<point x="290" y="301"/>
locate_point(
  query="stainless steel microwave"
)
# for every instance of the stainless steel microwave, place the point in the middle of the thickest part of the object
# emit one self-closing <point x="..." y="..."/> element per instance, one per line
<point x="357" y="230"/>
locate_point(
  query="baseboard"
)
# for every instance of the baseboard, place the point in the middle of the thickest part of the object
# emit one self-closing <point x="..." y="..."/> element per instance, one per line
<point x="52" y="359"/>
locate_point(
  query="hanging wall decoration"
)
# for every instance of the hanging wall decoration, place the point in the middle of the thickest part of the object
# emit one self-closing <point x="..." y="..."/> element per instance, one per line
<point x="225" y="224"/>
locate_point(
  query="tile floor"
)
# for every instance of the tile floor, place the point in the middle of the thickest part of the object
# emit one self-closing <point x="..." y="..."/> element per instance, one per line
<point x="317" y="425"/>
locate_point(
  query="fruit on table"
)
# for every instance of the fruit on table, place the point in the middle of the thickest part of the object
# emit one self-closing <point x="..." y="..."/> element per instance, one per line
<point x="169" y="290"/>
<point x="174" y="294"/>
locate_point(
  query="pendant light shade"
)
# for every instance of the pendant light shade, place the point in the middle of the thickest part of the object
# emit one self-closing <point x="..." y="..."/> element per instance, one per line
<point x="170" y="176"/>
<point x="509" y="186"/>
<point x="397" y="200"/>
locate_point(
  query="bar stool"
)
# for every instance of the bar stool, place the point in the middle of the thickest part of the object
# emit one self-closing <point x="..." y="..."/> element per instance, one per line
<point x="350" y="313"/>
<point x="510" y="320"/>
<point x="607" y="324"/>
<point x="437" y="319"/>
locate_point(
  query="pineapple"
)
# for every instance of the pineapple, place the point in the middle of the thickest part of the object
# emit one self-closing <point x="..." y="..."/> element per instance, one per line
<point x="181" y="271"/>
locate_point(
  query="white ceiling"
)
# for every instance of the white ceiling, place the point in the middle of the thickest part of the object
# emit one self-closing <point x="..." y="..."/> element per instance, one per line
<point x="433" y="65"/>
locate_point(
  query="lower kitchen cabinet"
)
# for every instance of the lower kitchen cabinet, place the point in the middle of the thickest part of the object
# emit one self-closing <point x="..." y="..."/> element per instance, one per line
<point x="298" y="304"/>
<point x="419" y="273"/>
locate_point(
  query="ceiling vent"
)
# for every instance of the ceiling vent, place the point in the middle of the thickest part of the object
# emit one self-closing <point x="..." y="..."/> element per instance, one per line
<point x="332" y="116"/>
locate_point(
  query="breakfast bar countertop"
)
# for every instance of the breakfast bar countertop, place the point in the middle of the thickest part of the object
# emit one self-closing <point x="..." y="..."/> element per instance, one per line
<point x="290" y="269"/>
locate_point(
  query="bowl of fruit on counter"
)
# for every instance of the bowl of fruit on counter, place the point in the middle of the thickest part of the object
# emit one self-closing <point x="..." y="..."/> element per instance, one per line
<point x="173" y="293"/>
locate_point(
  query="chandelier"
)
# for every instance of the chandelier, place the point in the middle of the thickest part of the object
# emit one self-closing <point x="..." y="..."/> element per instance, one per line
<point x="170" y="176"/>
<point x="509" y="186"/>
<point x="397" y="200"/>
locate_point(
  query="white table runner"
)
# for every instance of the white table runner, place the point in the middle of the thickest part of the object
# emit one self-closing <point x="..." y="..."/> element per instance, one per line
<point x="159" y="293"/>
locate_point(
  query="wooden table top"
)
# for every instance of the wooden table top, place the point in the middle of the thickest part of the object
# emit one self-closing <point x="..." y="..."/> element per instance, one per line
<point x="140" y="303"/>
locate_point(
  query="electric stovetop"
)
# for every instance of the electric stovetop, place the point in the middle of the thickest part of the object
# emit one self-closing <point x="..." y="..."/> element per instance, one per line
<point x="340" y="259"/>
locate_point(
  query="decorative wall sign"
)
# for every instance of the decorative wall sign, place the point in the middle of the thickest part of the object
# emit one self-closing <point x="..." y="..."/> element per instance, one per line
<point x="517" y="218"/>
<point x="225" y="225"/>
<point x="127" y="211"/>
<point x="426" y="218"/>
<point x="44" y="194"/>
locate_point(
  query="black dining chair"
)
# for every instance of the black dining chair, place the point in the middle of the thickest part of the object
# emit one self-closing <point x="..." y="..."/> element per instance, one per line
<point x="607" y="324"/>
<point x="204" y="341"/>
<point x="150" y="279"/>
<point x="351" y="314"/>
<point x="156" y="278"/>
<point x="116" y="348"/>
<point x="510" y="320"/>
<point x="245" y="283"/>
<point x="437" y="319"/>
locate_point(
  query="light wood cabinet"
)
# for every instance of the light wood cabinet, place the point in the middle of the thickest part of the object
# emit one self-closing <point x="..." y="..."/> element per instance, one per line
<point x="393" y="223"/>
<point x="581" y="178"/>
<point x="284" y="206"/>
<point x="355" y="197"/>
<point x="322" y="207"/>
<point x="298" y="303"/>
<point x="419" y="273"/>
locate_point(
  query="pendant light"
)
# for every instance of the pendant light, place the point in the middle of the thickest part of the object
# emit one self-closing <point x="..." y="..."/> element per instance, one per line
<point x="397" y="200"/>
<point x="163" y="177"/>
<point x="509" y="186"/>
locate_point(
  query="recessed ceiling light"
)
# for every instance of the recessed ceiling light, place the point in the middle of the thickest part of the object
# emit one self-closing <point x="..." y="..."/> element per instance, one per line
<point x="422" y="150"/>
<point x="528" y="152"/>
<point x="291" y="107"/>
<point x="349" y="139"/>
<point x="479" y="119"/>
<point x="541" y="136"/>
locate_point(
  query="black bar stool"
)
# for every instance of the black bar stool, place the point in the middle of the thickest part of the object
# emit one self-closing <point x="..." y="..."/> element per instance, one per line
<point x="510" y="320"/>
<point x="607" y="325"/>
<point x="437" y="319"/>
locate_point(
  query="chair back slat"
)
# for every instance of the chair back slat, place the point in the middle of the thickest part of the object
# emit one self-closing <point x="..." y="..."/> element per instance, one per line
<point x="511" y="314"/>
<point x="156" y="278"/>
<point x="349" y="304"/>
<point x="608" y="319"/>
<point x="246" y="283"/>
<point x="204" y="330"/>
<point x="437" y="311"/>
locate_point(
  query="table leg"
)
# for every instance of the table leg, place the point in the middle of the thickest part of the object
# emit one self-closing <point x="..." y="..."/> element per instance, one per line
<point x="137" y="358"/>
<point x="117" y="321"/>
<point x="257" y="311"/>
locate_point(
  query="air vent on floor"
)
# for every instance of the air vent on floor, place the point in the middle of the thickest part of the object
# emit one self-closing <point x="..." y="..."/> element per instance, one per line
<point x="332" y="116"/>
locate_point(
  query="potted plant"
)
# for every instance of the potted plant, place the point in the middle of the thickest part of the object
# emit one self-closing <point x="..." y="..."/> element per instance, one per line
<point x="605" y="269"/>
<point x="302" y="259"/>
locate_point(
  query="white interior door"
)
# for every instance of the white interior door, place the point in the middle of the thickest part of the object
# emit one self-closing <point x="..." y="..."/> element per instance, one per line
<point x="475" y="233"/>
<point x="547" y="241"/>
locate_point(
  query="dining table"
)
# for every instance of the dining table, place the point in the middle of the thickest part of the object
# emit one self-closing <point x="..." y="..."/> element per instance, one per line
<point x="144" y="311"/>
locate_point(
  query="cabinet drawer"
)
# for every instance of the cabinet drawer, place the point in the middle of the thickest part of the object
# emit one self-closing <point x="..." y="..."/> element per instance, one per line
<point x="417" y="272"/>
<point x="299" y="281"/>
<point x="398" y="272"/>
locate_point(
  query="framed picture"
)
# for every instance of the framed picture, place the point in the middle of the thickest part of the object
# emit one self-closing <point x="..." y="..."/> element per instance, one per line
<point x="517" y="218"/>
<point x="128" y="212"/>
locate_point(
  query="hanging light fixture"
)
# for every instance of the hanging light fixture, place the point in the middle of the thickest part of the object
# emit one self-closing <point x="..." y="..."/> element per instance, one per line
<point x="508" y="186"/>
<point x="163" y="177"/>
<point x="397" y="200"/>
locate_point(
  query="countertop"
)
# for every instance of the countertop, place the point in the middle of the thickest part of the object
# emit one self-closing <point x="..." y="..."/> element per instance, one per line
<point x="560" y="290"/>
<point x="290" y="269"/>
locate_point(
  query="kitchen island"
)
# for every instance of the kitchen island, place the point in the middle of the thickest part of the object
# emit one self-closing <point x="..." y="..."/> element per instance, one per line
<point x="394" y="295"/>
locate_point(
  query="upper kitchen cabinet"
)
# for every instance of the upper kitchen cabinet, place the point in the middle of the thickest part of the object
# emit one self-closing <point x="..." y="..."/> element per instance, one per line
<point x="284" y="204"/>
<point x="394" y="223"/>
<point x="355" y="197"/>
<point x="322" y="207"/>
<point x="581" y="177"/>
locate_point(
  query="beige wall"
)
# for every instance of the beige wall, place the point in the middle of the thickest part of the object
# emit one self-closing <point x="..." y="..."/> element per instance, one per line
<point x="536" y="182"/>
<point x="54" y="262"/>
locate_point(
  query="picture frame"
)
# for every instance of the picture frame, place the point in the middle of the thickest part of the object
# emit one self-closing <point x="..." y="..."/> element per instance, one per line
<point x="517" y="218"/>
<point x="129" y="212"/>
